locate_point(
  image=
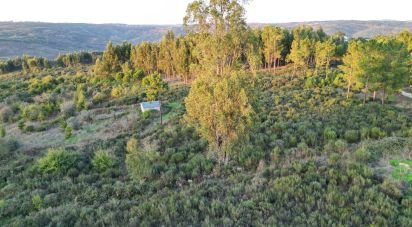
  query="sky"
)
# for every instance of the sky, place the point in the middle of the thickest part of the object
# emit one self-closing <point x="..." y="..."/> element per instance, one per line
<point x="172" y="11"/>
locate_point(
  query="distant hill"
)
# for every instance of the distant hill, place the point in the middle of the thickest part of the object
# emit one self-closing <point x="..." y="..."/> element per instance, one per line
<point x="354" y="28"/>
<point x="50" y="39"/>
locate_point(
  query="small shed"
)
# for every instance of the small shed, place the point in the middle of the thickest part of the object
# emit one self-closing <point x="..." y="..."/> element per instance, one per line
<point x="154" y="105"/>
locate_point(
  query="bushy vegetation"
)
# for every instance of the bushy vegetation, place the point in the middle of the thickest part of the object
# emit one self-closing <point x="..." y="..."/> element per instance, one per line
<point x="276" y="129"/>
<point x="59" y="161"/>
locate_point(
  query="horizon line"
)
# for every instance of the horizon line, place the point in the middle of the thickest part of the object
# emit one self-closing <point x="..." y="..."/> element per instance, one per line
<point x="289" y="22"/>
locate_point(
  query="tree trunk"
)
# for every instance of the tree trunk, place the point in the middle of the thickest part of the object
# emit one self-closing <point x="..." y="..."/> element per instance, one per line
<point x="374" y="95"/>
<point x="294" y="69"/>
<point x="366" y="90"/>
<point x="383" y="96"/>
<point x="347" y="92"/>
<point x="327" y="68"/>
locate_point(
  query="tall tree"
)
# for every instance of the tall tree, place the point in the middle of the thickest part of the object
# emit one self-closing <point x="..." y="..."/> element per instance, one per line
<point x="351" y="67"/>
<point x="273" y="41"/>
<point x="221" y="110"/>
<point x="406" y="38"/>
<point x="300" y="53"/>
<point x="223" y="31"/>
<point x="324" y="52"/>
<point x="389" y="64"/>
<point x="146" y="56"/>
<point x="254" y="51"/>
<point x="167" y="50"/>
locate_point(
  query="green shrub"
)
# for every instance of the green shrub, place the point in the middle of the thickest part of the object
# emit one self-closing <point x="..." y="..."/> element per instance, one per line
<point x="377" y="133"/>
<point x="98" y="98"/>
<point x="138" y="74"/>
<point x="365" y="133"/>
<point x="103" y="160"/>
<point x="21" y="124"/>
<point x="37" y="202"/>
<point x="73" y="123"/>
<point x="58" y="161"/>
<point x="341" y="145"/>
<point x="352" y="136"/>
<point x="139" y="163"/>
<point x="6" y="113"/>
<point x="4" y="149"/>
<point x="68" y="132"/>
<point x="2" y="131"/>
<point x="362" y="154"/>
<point x="147" y="114"/>
<point x="119" y="77"/>
<point x="329" y="134"/>
<point x="68" y="109"/>
<point x="29" y="128"/>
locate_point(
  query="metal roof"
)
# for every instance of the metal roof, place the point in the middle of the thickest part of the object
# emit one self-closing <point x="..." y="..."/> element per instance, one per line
<point x="150" y="105"/>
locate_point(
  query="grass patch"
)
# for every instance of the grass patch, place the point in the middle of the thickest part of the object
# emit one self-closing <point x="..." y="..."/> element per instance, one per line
<point x="174" y="106"/>
<point x="402" y="170"/>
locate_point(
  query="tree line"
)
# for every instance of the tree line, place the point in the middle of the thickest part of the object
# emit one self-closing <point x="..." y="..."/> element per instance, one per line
<point x="26" y="63"/>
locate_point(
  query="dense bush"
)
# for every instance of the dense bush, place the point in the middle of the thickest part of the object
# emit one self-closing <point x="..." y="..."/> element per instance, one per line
<point x="59" y="161"/>
<point x="103" y="160"/>
<point x="139" y="162"/>
<point x="68" y="109"/>
<point x="300" y="165"/>
<point x="38" y="112"/>
<point x="352" y="136"/>
<point x="6" y="114"/>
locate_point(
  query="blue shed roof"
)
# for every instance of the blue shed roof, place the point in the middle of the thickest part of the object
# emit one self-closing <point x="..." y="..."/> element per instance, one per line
<point x="150" y="105"/>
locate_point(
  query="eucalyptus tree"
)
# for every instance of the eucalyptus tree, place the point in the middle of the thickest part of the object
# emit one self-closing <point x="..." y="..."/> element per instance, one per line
<point x="146" y="56"/>
<point x="223" y="30"/>
<point x="324" y="52"/>
<point x="273" y="45"/>
<point x="167" y="49"/>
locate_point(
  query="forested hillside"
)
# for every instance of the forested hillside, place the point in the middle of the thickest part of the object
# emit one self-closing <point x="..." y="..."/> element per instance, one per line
<point x="49" y="39"/>
<point x="257" y="127"/>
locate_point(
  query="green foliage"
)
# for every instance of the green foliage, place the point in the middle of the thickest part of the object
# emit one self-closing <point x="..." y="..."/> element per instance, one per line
<point x="11" y="65"/>
<point x="37" y="202"/>
<point x="74" y="59"/>
<point x="38" y="86"/>
<point x="139" y="163"/>
<point x="293" y="141"/>
<point x="68" y="132"/>
<point x="80" y="98"/>
<point x="99" y="97"/>
<point x="113" y="58"/>
<point x="6" y="114"/>
<point x="154" y="86"/>
<point x="7" y="148"/>
<point x="58" y="161"/>
<point x="402" y="170"/>
<point x="2" y="131"/>
<point x="39" y="111"/>
<point x="103" y="160"/>
<point x="329" y="134"/>
<point x="352" y="136"/>
<point x="67" y="109"/>
<point x="34" y="64"/>
<point x="377" y="133"/>
<point x="221" y="110"/>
